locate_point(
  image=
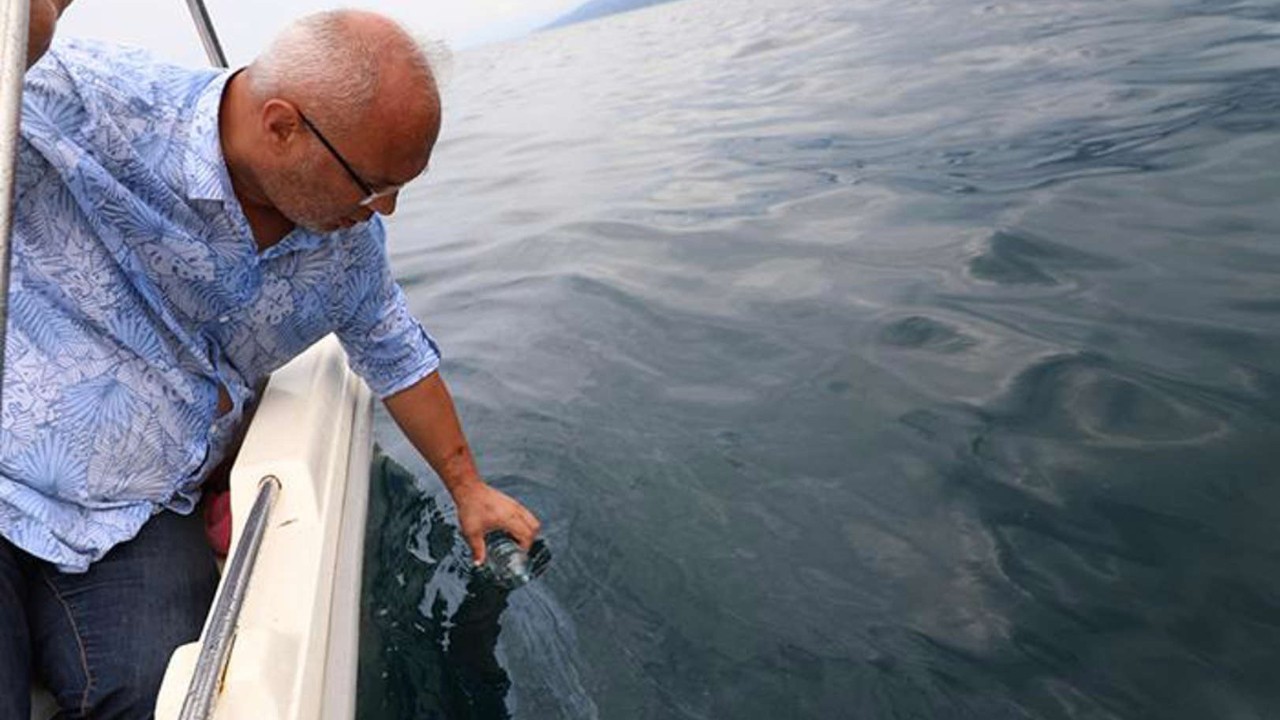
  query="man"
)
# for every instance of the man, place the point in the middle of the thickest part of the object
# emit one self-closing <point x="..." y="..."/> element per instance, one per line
<point x="178" y="235"/>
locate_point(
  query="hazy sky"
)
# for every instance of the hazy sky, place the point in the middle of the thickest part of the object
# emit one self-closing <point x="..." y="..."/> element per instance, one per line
<point x="244" y="26"/>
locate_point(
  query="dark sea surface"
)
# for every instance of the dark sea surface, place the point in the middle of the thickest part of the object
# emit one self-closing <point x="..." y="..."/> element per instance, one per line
<point x="864" y="359"/>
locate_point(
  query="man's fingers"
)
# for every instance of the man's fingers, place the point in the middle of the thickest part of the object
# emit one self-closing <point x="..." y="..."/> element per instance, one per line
<point x="523" y="528"/>
<point x="478" y="550"/>
<point x="480" y="513"/>
<point x="520" y="533"/>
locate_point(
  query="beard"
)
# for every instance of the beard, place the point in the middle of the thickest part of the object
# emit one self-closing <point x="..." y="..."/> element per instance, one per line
<point x="295" y="193"/>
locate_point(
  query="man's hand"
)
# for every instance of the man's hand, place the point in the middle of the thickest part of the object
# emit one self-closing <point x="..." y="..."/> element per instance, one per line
<point x="425" y="412"/>
<point x="40" y="26"/>
<point x="482" y="509"/>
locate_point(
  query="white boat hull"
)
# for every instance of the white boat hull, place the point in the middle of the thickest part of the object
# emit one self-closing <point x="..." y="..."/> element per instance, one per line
<point x="296" y="642"/>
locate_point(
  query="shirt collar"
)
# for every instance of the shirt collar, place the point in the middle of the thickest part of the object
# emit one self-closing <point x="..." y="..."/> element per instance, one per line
<point x="204" y="168"/>
<point x="299" y="239"/>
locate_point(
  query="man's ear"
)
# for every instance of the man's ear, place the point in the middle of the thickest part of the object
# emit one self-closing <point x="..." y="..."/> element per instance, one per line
<point x="280" y="123"/>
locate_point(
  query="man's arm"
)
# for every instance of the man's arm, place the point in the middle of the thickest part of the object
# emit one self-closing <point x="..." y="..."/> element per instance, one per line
<point x="41" y="24"/>
<point x="425" y="412"/>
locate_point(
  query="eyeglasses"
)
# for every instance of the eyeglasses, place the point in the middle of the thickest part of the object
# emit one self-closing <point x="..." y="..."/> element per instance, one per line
<point x="370" y="195"/>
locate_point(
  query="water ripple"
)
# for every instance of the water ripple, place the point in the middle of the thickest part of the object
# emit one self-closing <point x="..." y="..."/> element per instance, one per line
<point x="865" y="359"/>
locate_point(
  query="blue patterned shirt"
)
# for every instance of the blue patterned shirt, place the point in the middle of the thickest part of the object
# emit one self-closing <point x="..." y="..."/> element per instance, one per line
<point x="136" y="290"/>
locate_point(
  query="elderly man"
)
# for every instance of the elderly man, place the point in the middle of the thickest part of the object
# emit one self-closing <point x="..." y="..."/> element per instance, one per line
<point x="179" y="235"/>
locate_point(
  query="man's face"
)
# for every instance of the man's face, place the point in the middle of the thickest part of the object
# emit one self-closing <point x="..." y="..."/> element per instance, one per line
<point x="334" y="179"/>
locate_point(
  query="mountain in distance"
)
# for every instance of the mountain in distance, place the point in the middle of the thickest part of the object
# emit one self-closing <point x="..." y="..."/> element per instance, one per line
<point x="599" y="8"/>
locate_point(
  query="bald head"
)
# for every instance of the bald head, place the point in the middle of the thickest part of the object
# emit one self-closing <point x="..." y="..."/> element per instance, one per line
<point x="348" y="66"/>
<point x="326" y="125"/>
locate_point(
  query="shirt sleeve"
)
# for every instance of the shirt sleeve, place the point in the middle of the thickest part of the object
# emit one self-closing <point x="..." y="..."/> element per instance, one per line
<point x="385" y="343"/>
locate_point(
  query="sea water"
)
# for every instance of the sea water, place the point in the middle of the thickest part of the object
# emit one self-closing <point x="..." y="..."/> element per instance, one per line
<point x="863" y="359"/>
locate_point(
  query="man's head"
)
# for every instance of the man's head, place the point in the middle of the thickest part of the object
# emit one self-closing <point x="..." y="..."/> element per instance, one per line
<point x="344" y="110"/>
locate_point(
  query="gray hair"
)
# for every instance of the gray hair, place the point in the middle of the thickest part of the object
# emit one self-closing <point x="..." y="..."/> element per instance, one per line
<point x="322" y="60"/>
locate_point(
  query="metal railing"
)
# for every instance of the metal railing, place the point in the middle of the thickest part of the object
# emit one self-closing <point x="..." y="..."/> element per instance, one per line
<point x="215" y="650"/>
<point x="204" y="26"/>
<point x="14" y="20"/>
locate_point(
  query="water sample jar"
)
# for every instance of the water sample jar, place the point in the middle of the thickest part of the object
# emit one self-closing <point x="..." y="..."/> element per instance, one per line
<point x="508" y="566"/>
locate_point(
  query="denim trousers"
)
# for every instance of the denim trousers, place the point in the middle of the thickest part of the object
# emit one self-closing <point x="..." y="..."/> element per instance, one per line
<point x="100" y="640"/>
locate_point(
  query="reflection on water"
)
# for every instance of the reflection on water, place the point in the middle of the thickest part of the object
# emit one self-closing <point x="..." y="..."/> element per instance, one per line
<point x="429" y="633"/>
<point x="863" y="359"/>
<point x="441" y="663"/>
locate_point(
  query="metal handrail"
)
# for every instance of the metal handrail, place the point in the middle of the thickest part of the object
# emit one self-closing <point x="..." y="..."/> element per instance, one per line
<point x="220" y="631"/>
<point x="13" y="67"/>
<point x="215" y="651"/>
<point x="204" y="26"/>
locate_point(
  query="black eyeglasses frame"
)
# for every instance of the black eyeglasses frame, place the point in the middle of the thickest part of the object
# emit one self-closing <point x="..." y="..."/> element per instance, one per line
<point x="370" y="195"/>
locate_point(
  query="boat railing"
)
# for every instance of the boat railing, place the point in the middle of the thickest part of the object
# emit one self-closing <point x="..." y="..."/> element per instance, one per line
<point x="14" y="20"/>
<point x="216" y="650"/>
<point x="208" y="38"/>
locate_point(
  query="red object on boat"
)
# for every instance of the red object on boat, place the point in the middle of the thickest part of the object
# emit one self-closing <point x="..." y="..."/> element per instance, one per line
<point x="217" y="521"/>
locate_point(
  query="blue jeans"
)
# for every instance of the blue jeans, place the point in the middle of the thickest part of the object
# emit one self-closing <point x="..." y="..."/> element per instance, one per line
<point x="100" y="640"/>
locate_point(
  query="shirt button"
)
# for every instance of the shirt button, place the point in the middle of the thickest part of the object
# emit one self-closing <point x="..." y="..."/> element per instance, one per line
<point x="224" y="318"/>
